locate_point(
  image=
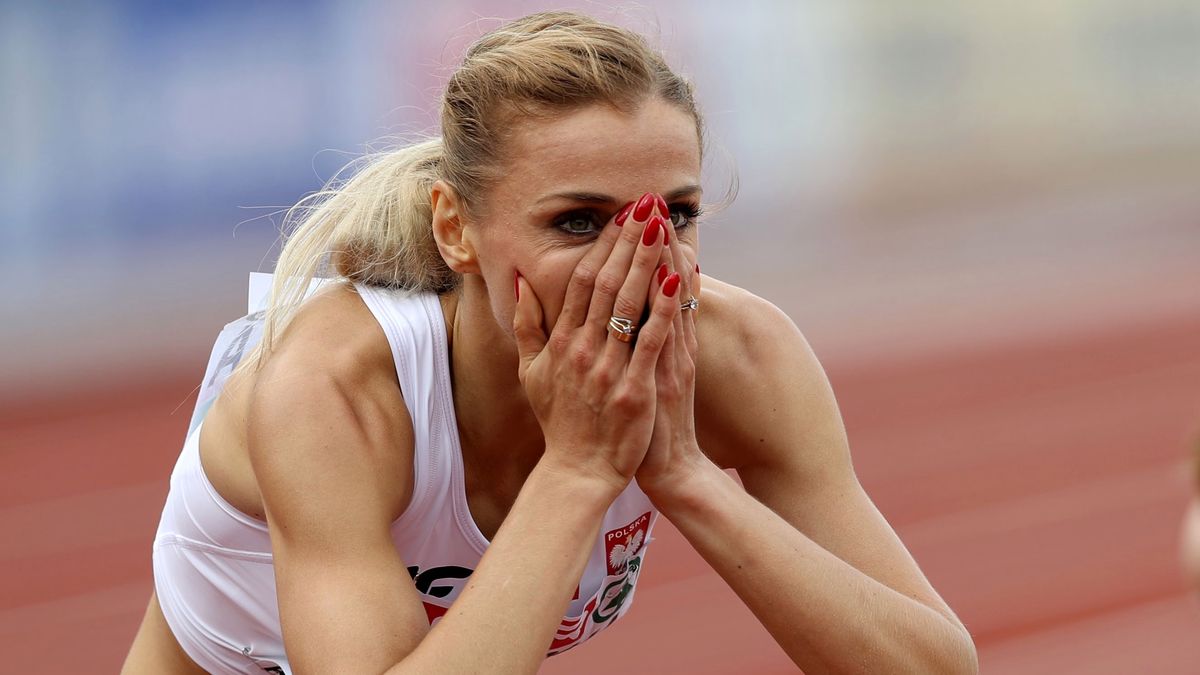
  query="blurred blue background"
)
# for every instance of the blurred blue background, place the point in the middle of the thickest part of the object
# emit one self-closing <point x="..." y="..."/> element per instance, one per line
<point x="147" y="145"/>
<point x="985" y="217"/>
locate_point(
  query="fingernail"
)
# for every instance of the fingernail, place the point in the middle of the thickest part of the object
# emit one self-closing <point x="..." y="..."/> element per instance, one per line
<point x="662" y="206"/>
<point x="517" y="284"/>
<point x="662" y="273"/>
<point x="671" y="285"/>
<point x="697" y="268"/>
<point x="623" y="214"/>
<point x="650" y="234"/>
<point x="644" y="206"/>
<point x="666" y="232"/>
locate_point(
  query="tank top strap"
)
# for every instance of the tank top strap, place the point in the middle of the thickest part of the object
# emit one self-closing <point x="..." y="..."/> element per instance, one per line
<point x="416" y="332"/>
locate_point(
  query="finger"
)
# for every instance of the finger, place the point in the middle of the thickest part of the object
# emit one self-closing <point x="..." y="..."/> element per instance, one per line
<point x="687" y="291"/>
<point x="631" y="299"/>
<point x="664" y="257"/>
<point x="665" y="368"/>
<point x="527" y="325"/>
<point x="583" y="279"/>
<point x="664" y="269"/>
<point x="694" y="315"/>
<point x="673" y="269"/>
<point x="653" y="335"/>
<point x="660" y="275"/>
<point x="612" y="275"/>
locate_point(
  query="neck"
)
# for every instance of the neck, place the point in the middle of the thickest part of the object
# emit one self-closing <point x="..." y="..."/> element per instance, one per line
<point x="500" y="435"/>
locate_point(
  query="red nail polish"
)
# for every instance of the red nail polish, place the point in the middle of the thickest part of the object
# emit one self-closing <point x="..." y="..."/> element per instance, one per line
<point x="697" y="268"/>
<point x="666" y="233"/>
<point x="517" y="283"/>
<point x="644" y="206"/>
<point x="662" y="273"/>
<point x="671" y="285"/>
<point x="623" y="214"/>
<point x="650" y="234"/>
<point x="662" y="206"/>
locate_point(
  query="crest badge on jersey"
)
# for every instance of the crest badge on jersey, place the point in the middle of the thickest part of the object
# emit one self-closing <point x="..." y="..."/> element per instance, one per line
<point x="624" y="543"/>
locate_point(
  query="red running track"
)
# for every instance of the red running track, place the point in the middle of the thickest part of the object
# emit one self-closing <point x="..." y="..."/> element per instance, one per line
<point x="1040" y="486"/>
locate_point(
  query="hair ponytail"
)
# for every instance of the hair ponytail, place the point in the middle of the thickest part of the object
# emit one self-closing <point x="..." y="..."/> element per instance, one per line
<point x="374" y="228"/>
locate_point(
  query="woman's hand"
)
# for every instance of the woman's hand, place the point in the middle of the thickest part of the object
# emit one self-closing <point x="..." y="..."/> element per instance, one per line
<point x="594" y="395"/>
<point x="674" y="453"/>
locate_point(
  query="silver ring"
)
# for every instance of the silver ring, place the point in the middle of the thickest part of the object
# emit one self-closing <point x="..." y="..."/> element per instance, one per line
<point x="621" y="328"/>
<point x="692" y="304"/>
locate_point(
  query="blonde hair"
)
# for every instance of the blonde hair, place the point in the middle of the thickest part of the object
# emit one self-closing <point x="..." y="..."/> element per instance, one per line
<point x="376" y="227"/>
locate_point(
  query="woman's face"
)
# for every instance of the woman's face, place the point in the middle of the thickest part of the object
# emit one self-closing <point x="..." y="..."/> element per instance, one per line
<point x="565" y="179"/>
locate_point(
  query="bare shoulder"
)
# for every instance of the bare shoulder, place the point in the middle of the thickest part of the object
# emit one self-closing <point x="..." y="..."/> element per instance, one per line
<point x="734" y="318"/>
<point x="327" y="400"/>
<point x="755" y="376"/>
<point x="742" y="338"/>
<point x="332" y="326"/>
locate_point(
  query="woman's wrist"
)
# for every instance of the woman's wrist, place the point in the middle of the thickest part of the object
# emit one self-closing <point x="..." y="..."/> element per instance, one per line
<point x="584" y="480"/>
<point x="685" y="487"/>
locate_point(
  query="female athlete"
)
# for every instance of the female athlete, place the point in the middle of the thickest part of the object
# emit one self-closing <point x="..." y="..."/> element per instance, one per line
<point x="451" y="458"/>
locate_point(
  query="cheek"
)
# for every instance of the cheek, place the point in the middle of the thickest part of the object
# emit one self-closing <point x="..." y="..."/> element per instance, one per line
<point x="549" y="274"/>
<point x="546" y="268"/>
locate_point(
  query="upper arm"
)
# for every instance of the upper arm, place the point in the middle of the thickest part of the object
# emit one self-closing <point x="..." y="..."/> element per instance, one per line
<point x="332" y="458"/>
<point x="773" y="417"/>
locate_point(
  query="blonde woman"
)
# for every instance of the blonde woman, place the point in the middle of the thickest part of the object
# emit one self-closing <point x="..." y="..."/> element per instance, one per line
<point x="517" y="369"/>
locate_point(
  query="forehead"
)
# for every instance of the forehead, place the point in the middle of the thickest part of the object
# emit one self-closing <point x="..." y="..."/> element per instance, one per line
<point x="605" y="150"/>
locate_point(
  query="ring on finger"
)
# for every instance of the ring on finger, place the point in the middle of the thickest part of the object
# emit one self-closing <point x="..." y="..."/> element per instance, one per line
<point x="692" y="303"/>
<point x="621" y="328"/>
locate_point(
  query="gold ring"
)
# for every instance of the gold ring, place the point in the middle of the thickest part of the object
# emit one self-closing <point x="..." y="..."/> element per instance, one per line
<point x="621" y="328"/>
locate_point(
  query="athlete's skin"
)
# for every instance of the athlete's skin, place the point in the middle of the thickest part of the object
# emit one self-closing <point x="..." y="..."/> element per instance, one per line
<point x="554" y="425"/>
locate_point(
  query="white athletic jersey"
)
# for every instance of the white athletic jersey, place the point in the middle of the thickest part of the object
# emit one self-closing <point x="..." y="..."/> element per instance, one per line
<point x="213" y="566"/>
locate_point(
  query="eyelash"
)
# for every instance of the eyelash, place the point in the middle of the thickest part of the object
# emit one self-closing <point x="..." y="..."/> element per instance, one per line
<point x="691" y="212"/>
<point x="688" y="213"/>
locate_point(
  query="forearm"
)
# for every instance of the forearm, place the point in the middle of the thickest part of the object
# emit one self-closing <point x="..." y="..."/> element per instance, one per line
<point x="505" y="618"/>
<point x="828" y="616"/>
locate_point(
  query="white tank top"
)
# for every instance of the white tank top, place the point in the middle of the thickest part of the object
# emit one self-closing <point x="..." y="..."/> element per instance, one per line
<point x="221" y="586"/>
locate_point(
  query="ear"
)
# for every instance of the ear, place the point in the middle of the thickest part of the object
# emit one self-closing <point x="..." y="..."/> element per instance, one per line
<point x="449" y="229"/>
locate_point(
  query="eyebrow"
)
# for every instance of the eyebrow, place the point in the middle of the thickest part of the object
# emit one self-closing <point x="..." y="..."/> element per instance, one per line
<point x="597" y="198"/>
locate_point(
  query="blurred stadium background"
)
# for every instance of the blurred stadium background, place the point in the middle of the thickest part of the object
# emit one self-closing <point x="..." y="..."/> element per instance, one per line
<point x="984" y="216"/>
